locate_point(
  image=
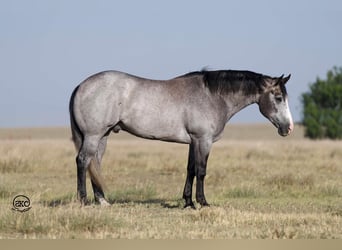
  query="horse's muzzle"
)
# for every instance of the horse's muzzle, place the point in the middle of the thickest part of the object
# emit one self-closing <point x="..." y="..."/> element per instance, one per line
<point x="285" y="130"/>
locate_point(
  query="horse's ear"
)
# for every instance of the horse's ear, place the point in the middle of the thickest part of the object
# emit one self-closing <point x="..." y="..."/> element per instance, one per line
<point x="274" y="81"/>
<point x="285" y="80"/>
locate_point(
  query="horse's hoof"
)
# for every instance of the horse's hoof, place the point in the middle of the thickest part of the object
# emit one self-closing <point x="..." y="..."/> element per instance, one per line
<point x="190" y="205"/>
<point x="202" y="201"/>
<point x="103" y="202"/>
<point x="205" y="205"/>
<point x="84" y="202"/>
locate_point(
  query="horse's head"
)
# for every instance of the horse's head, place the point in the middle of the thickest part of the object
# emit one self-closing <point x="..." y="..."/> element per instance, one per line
<point x="273" y="104"/>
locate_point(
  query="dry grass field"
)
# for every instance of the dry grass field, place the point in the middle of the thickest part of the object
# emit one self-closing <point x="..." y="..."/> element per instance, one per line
<point x="259" y="185"/>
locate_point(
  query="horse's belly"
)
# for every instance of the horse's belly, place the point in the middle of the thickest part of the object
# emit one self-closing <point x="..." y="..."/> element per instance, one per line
<point x="157" y="130"/>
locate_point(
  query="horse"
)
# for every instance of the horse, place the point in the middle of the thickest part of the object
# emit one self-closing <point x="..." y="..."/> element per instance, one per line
<point x="191" y="109"/>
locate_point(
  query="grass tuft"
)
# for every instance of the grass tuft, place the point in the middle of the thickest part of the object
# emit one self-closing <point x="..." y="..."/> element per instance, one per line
<point x="283" y="181"/>
<point x="242" y="192"/>
<point x="14" y="165"/>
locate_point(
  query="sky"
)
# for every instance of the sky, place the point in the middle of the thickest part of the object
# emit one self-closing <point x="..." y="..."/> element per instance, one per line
<point x="48" y="47"/>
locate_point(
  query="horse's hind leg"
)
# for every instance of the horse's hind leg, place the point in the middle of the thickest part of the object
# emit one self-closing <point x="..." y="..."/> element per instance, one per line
<point x="98" y="190"/>
<point x="83" y="160"/>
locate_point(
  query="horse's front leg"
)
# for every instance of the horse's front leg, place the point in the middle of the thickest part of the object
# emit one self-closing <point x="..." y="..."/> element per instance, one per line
<point x="201" y="151"/>
<point x="187" y="194"/>
<point x="200" y="197"/>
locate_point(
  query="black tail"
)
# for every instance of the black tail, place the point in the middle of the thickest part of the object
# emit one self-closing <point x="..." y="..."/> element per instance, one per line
<point x="77" y="136"/>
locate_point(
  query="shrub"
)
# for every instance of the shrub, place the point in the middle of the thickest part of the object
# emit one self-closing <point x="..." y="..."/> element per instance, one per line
<point x="322" y="107"/>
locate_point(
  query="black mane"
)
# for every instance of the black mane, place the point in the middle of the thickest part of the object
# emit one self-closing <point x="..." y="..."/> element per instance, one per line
<point x="231" y="81"/>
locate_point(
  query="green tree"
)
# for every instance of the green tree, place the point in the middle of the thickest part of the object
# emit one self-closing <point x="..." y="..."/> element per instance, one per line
<point x="322" y="107"/>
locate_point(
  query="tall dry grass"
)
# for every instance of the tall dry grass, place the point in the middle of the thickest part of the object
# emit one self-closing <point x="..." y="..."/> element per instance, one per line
<point x="259" y="185"/>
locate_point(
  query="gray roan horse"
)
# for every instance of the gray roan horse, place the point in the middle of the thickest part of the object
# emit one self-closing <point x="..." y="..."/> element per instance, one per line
<point x="192" y="109"/>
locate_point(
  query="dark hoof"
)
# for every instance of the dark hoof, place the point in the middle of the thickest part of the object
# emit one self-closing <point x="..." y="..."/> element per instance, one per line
<point x="203" y="202"/>
<point x="206" y="204"/>
<point x="84" y="202"/>
<point x="190" y="204"/>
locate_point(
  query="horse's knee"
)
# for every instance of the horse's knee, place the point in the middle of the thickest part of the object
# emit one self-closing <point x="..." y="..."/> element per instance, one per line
<point x="201" y="172"/>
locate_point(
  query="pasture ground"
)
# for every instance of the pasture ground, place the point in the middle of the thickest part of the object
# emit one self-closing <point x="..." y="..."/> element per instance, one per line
<point x="259" y="185"/>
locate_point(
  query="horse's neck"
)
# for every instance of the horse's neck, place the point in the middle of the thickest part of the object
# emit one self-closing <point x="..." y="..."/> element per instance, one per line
<point x="238" y="101"/>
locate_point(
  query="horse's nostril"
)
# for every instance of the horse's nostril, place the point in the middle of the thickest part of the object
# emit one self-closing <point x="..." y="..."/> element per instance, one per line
<point x="290" y="129"/>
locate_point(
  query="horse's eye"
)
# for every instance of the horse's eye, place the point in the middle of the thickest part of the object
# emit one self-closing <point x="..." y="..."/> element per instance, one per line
<point x="278" y="98"/>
